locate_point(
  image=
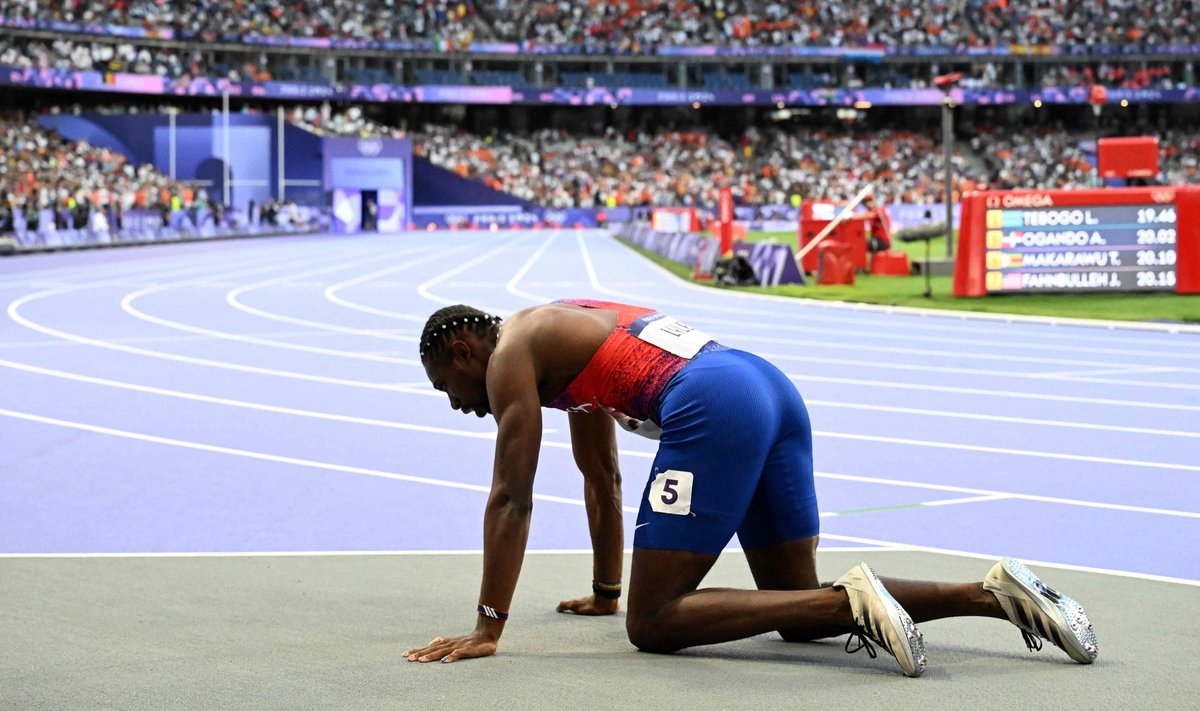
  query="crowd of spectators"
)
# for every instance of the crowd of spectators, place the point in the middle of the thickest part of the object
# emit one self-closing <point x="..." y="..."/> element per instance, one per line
<point x="1048" y="158"/>
<point x="591" y="25"/>
<point x="1110" y="75"/>
<point x="352" y="122"/>
<point x="1179" y="157"/>
<point x="451" y="22"/>
<point x="636" y="25"/>
<point x="765" y="166"/>
<point x="40" y="170"/>
<point x="82" y="54"/>
<point x="762" y="166"/>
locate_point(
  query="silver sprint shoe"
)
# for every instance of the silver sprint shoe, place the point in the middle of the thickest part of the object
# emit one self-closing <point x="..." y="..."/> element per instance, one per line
<point x="881" y="620"/>
<point x="1041" y="612"/>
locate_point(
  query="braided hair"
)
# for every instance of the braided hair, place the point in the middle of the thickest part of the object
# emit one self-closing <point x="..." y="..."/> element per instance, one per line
<point x="447" y="321"/>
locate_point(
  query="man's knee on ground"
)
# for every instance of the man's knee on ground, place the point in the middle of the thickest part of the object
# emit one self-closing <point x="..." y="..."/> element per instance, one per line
<point x="648" y="636"/>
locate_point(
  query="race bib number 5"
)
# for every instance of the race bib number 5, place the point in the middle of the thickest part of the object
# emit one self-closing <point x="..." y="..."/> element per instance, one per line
<point x="670" y="335"/>
<point x="671" y="493"/>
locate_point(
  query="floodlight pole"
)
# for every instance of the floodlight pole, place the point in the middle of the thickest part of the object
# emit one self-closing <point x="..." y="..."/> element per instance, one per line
<point x="948" y="169"/>
<point x="279" y="150"/>
<point x="928" y="283"/>
<point x="227" y="188"/>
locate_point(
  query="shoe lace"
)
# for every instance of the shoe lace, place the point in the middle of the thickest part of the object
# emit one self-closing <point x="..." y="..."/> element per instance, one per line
<point x="1032" y="641"/>
<point x="864" y="642"/>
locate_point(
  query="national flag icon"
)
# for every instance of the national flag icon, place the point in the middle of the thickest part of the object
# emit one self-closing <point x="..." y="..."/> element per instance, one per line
<point x="995" y="218"/>
<point x="1013" y="281"/>
<point x="1012" y="260"/>
<point x="1013" y="219"/>
<point x="995" y="260"/>
<point x="1010" y="239"/>
<point x="995" y="239"/>
<point x="994" y="281"/>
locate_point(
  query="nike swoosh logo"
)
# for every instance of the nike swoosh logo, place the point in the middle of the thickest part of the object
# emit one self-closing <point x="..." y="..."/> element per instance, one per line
<point x="640" y="525"/>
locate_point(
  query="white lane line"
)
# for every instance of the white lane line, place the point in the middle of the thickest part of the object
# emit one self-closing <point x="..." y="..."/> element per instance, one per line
<point x="959" y="415"/>
<point x="1132" y="383"/>
<point x="964" y="355"/>
<point x="948" y="316"/>
<point x="278" y="373"/>
<point x="164" y="339"/>
<point x="1072" y="374"/>
<point x="362" y="471"/>
<point x="965" y="500"/>
<point x="1009" y="451"/>
<point x="809" y="329"/>
<point x="456" y="284"/>
<point x="232" y="298"/>
<point x="15" y="306"/>
<point x="262" y="456"/>
<point x="331" y="293"/>
<point x="511" y="286"/>
<point x="892" y="546"/>
<point x="14" y="313"/>
<point x="1007" y="495"/>
<point x="114" y="270"/>
<point x="871" y="438"/>
<point x="816" y="433"/>
<point x="562" y="445"/>
<point x="261" y="407"/>
<point x="421" y="387"/>
<point x="412" y="388"/>
<point x="992" y="393"/>
<point x="426" y="392"/>
<point x="914" y="505"/>
<point x="594" y="280"/>
<point x="127" y="305"/>
<point x="951" y="370"/>
<point x="423" y="290"/>
<point x="392" y="387"/>
<point x="1129" y="370"/>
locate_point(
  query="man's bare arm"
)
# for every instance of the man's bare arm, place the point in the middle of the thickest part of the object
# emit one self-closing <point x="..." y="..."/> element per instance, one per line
<point x="594" y="444"/>
<point x="512" y="393"/>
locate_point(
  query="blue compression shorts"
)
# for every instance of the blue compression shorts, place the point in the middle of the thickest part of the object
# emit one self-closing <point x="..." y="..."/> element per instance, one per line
<point x="735" y="456"/>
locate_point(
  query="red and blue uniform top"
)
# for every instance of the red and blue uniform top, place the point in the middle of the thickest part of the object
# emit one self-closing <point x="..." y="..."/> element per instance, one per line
<point x="632" y="367"/>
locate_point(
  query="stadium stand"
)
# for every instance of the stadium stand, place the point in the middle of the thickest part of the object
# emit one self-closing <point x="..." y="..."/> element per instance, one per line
<point x="645" y="160"/>
<point x="636" y="25"/>
<point x="42" y="170"/>
<point x="765" y="166"/>
<point x="211" y="19"/>
<point x="249" y="40"/>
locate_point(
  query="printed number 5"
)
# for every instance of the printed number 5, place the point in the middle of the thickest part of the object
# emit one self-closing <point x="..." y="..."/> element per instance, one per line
<point x="671" y="493"/>
<point x="670" y="496"/>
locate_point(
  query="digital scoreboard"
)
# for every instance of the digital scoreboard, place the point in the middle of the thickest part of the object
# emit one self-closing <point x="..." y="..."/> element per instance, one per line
<point x="1117" y="239"/>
